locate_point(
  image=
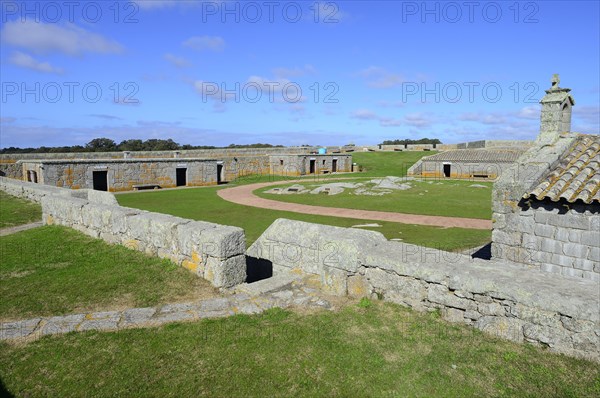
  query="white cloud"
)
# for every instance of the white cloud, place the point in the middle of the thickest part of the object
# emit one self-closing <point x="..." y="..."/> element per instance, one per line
<point x="179" y="62"/>
<point x="418" y="120"/>
<point x="105" y="117"/>
<point x="484" y="118"/>
<point x="364" y="114"/>
<point x="378" y="77"/>
<point x="530" y="112"/>
<point x="200" y="43"/>
<point x="27" y="61"/>
<point x="411" y="119"/>
<point x="287" y="73"/>
<point x="69" y="39"/>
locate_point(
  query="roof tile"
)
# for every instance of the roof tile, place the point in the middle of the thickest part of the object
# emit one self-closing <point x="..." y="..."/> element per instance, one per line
<point x="577" y="175"/>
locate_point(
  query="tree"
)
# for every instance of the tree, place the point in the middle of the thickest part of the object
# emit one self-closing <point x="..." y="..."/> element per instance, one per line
<point x="101" y="145"/>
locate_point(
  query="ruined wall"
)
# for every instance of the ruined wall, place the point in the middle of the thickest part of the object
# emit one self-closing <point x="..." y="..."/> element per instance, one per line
<point x="11" y="170"/>
<point x="213" y="252"/>
<point x="500" y="298"/>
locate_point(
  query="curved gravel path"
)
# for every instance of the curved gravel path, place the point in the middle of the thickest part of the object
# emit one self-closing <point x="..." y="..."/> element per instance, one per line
<point x="244" y="195"/>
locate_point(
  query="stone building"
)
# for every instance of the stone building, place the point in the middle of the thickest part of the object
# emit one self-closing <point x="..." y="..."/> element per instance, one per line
<point x="546" y="206"/>
<point x="466" y="163"/>
<point x="122" y="174"/>
<point x="296" y="165"/>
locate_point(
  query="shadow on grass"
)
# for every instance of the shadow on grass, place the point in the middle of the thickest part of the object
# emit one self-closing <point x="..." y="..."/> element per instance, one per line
<point x="4" y="393"/>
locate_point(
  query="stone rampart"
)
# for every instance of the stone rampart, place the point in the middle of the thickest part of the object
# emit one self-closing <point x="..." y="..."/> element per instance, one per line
<point x="498" y="297"/>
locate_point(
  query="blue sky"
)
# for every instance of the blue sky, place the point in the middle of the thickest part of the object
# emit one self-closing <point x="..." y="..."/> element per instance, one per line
<point x="291" y="73"/>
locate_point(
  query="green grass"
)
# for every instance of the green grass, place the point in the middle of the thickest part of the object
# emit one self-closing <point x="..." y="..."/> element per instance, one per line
<point x="17" y="211"/>
<point x="379" y="350"/>
<point x="436" y="198"/>
<point x="55" y="270"/>
<point x="381" y="164"/>
<point x="204" y="204"/>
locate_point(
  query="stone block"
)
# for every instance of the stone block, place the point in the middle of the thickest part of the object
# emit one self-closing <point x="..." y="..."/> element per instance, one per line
<point x="546" y="231"/>
<point x="583" y="264"/>
<point x="507" y="238"/>
<point x="136" y="316"/>
<point x="593" y="276"/>
<point x="536" y="316"/>
<point x="571" y="221"/>
<point x="358" y="286"/>
<point x="563" y="234"/>
<point x="556" y="269"/>
<point x="441" y="295"/>
<point x="17" y="329"/>
<point x="575" y="250"/>
<point x="506" y="328"/>
<point x="453" y="315"/>
<point x="493" y="309"/>
<point x="594" y="254"/>
<point x="574" y="235"/>
<point x="572" y="272"/>
<point x="552" y="336"/>
<point x="225" y="273"/>
<point x="334" y="281"/>
<point x="563" y="261"/>
<point x="62" y="324"/>
<point x="590" y="238"/>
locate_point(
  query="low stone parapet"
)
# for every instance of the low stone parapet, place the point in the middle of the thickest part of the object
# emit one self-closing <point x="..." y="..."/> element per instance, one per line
<point x="213" y="252"/>
<point x="498" y="297"/>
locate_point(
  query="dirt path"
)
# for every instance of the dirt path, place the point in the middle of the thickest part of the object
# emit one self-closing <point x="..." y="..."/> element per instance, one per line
<point x="243" y="195"/>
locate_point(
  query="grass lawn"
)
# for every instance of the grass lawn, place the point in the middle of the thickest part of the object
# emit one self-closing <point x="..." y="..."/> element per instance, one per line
<point x="17" y="211"/>
<point x="55" y="270"/>
<point x="369" y="349"/>
<point x="436" y="198"/>
<point x="381" y="164"/>
<point x="204" y="204"/>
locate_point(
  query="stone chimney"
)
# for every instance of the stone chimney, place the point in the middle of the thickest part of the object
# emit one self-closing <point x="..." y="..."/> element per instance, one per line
<point x="556" y="112"/>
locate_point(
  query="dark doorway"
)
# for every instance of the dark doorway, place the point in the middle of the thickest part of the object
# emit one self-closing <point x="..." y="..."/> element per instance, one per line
<point x="312" y="166"/>
<point x="334" y="165"/>
<point x="219" y="173"/>
<point x="181" y="177"/>
<point x="447" y="170"/>
<point x="100" y="179"/>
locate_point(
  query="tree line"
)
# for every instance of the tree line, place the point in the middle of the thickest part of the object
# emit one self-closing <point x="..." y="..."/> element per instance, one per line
<point x="420" y="141"/>
<point x="108" y="145"/>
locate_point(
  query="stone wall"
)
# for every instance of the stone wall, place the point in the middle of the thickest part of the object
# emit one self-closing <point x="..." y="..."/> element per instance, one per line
<point x="122" y="175"/>
<point x="213" y="252"/>
<point x="461" y="170"/>
<point x="296" y="165"/>
<point x="11" y="170"/>
<point x="541" y="235"/>
<point x="555" y="239"/>
<point x="193" y="153"/>
<point x="498" y="297"/>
